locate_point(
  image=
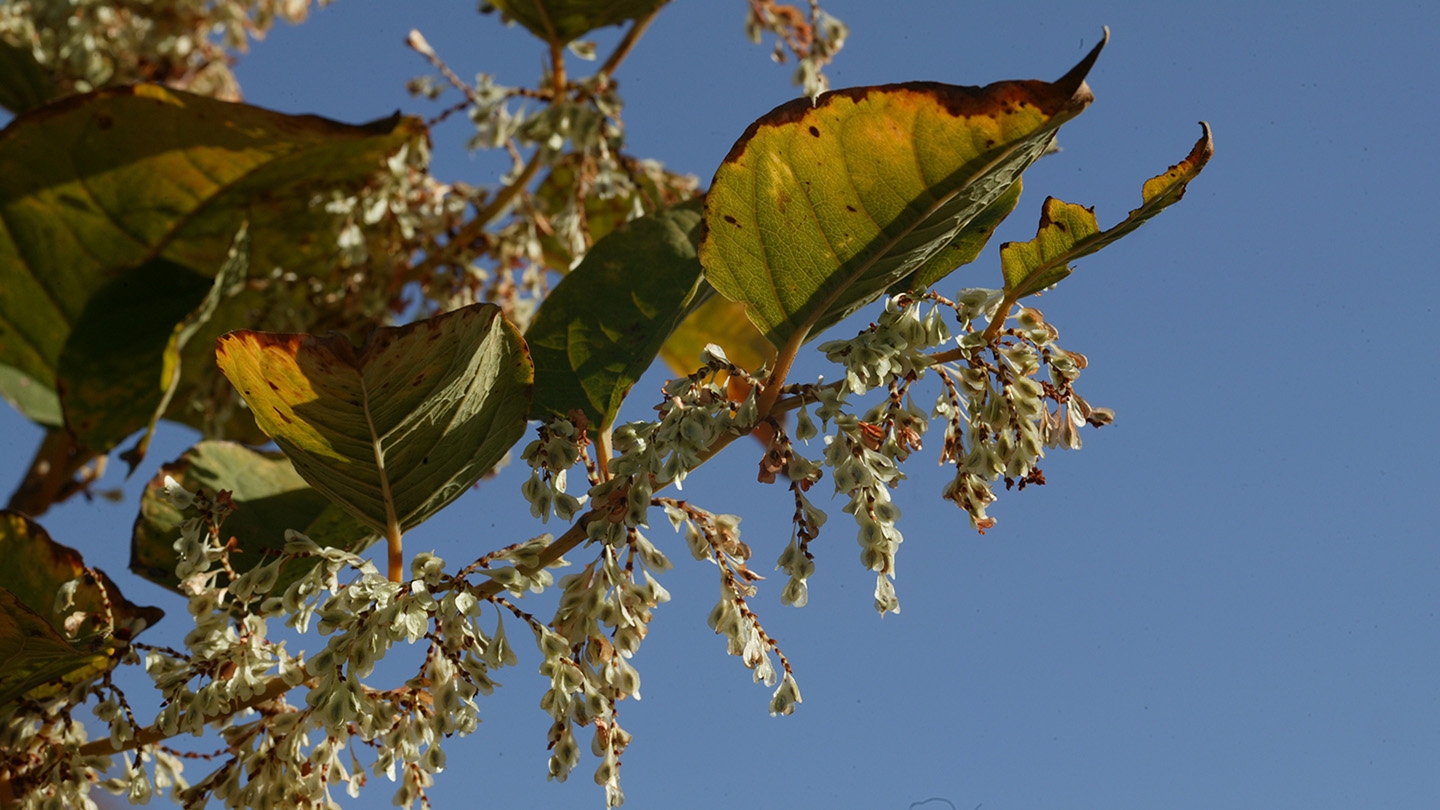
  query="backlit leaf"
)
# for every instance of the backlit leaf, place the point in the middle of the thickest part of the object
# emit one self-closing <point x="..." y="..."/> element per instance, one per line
<point x="722" y="322"/>
<point x="397" y="429"/>
<point x="818" y="210"/>
<point x="1068" y="232"/>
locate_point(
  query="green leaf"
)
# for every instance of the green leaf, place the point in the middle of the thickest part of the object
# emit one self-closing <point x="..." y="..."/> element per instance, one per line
<point x="1068" y="232"/>
<point x="603" y="324"/>
<point x="399" y="428"/>
<point x="24" y="85"/>
<point x="966" y="245"/>
<point x="38" y="403"/>
<point x="95" y="186"/>
<point x="560" y="21"/>
<point x="818" y="210"/>
<point x="227" y="284"/>
<point x="110" y="370"/>
<point x="269" y="497"/>
<point x="43" y="641"/>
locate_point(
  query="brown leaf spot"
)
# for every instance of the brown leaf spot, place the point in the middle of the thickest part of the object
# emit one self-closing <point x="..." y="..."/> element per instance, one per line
<point x="814" y="132"/>
<point x="732" y="220"/>
<point x="850" y="208"/>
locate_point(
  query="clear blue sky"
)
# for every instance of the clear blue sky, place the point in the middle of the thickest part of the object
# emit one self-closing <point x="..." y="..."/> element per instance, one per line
<point x="1227" y="599"/>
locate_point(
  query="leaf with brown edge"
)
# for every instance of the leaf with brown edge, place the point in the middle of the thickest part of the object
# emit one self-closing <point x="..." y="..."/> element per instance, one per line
<point x="394" y="430"/>
<point x="42" y="640"/>
<point x="1068" y="232"/>
<point x="818" y="210"/>
<point x="269" y="497"/>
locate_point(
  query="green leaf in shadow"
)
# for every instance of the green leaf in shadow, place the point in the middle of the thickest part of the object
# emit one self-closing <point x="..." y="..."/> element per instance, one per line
<point x="560" y="21"/>
<point x="24" y="85"/>
<point x="93" y="187"/>
<point x="269" y="497"/>
<point x="603" y="324"/>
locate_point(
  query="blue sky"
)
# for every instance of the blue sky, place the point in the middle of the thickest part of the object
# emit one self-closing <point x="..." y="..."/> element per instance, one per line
<point x="1227" y="599"/>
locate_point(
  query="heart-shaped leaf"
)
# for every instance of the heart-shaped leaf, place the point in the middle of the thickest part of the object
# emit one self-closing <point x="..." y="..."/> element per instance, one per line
<point x="560" y="21"/>
<point x="1067" y="232"/>
<point x="818" y="210"/>
<point x="43" y="638"/>
<point x="399" y="428"/>
<point x="95" y="187"/>
<point x="601" y="327"/>
<point x="269" y="497"/>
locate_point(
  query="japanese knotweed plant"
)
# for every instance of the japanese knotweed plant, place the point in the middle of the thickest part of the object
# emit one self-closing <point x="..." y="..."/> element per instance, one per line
<point x="839" y="201"/>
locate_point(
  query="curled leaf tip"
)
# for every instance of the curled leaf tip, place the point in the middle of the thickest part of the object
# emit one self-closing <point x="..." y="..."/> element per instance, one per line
<point x="1074" y="80"/>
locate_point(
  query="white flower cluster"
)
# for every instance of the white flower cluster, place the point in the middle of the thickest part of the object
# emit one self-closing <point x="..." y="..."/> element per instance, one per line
<point x="999" y="419"/>
<point x="716" y="538"/>
<point x="603" y="615"/>
<point x="88" y="44"/>
<point x="560" y="445"/>
<point x="813" y="41"/>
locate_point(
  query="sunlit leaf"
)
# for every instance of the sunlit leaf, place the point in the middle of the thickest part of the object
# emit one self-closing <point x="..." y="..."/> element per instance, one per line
<point x="1068" y="232"/>
<point x="397" y="429"/>
<point x="601" y="327"/>
<point x="561" y="21"/>
<point x="78" y="634"/>
<point x="269" y="497"/>
<point x="818" y="210"/>
<point x="95" y="187"/>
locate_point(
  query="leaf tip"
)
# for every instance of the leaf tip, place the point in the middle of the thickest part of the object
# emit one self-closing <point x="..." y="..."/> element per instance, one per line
<point x="1074" y="80"/>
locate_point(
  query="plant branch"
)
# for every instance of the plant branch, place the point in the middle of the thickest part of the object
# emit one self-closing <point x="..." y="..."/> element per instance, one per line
<point x="623" y="48"/>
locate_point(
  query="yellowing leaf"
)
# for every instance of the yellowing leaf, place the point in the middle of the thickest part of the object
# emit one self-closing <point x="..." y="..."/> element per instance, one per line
<point x="1068" y="232"/>
<point x="820" y="209"/>
<point x="722" y="322"/>
<point x="397" y="429"/>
